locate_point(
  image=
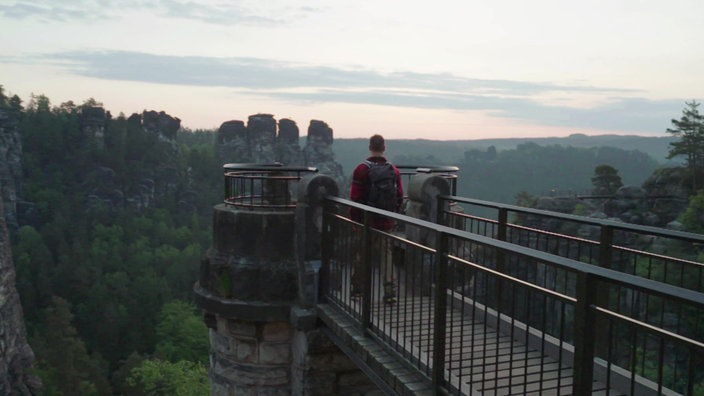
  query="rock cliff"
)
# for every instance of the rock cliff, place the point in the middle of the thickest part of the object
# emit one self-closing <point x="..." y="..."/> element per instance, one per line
<point x="16" y="356"/>
<point x="10" y="167"/>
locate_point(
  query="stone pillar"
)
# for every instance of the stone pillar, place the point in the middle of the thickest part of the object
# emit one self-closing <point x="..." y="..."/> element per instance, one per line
<point x="288" y="149"/>
<point x="247" y="286"/>
<point x="309" y="223"/>
<point x="262" y="132"/>
<point x="318" y="151"/>
<point x="423" y="189"/>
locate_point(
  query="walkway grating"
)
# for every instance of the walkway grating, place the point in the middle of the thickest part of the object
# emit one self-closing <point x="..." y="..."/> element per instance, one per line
<point x="480" y="362"/>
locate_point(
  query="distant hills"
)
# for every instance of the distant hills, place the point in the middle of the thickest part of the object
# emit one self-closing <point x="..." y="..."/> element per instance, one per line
<point x="533" y="165"/>
<point x="348" y="152"/>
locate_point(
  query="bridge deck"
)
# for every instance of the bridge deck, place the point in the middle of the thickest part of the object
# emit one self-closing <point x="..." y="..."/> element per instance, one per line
<point x="480" y="361"/>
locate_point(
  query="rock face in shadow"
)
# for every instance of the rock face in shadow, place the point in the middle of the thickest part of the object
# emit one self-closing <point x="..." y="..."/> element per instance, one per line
<point x="10" y="168"/>
<point x="16" y="356"/>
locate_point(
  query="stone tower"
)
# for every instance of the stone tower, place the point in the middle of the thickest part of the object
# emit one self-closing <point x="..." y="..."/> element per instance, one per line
<point x="257" y="290"/>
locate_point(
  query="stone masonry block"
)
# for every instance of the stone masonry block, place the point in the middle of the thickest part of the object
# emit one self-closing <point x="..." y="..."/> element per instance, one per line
<point x="242" y="328"/>
<point x="220" y="344"/>
<point x="221" y="324"/>
<point x="245" y="349"/>
<point x="277" y="331"/>
<point x="257" y="375"/>
<point x="275" y="353"/>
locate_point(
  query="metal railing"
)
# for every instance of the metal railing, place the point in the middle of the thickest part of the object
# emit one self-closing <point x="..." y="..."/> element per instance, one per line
<point x="466" y="301"/>
<point x="262" y="186"/>
<point x="663" y="255"/>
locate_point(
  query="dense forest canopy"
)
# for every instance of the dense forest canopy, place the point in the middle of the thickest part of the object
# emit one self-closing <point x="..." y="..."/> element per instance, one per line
<point x="105" y="280"/>
<point x="121" y="215"/>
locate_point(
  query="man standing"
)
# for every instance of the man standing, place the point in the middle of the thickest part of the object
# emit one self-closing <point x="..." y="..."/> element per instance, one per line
<point x="376" y="182"/>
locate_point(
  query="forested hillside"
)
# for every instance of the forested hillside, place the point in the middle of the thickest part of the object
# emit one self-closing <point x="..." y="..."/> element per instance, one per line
<point x="107" y="256"/>
<point x="490" y="173"/>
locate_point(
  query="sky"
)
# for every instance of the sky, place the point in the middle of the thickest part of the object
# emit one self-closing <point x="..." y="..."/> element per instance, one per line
<point x="408" y="69"/>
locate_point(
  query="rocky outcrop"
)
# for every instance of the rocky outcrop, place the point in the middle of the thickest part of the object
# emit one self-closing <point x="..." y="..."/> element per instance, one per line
<point x="16" y="356"/>
<point x="319" y="153"/>
<point x="161" y="124"/>
<point x="657" y="203"/>
<point x="669" y="192"/>
<point x="10" y="167"/>
<point x="261" y="129"/>
<point x="154" y="183"/>
<point x="287" y="147"/>
<point x="92" y="120"/>
<point x="259" y="142"/>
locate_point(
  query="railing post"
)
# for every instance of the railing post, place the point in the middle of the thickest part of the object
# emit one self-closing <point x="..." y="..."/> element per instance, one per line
<point x="502" y="232"/>
<point x="584" y="334"/>
<point x="366" y="269"/>
<point x="606" y="241"/>
<point x="501" y="235"/>
<point x="440" y="310"/>
<point x="326" y="250"/>
<point x="439" y="210"/>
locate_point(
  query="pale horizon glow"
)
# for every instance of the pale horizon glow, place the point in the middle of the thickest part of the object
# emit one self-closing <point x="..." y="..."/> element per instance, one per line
<point x="446" y="70"/>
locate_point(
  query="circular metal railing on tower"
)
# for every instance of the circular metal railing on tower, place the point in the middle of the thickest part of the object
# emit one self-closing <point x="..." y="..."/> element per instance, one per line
<point x="446" y="171"/>
<point x="269" y="186"/>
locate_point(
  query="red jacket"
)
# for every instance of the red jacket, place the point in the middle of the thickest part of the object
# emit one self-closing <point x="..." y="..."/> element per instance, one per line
<point x="359" y="190"/>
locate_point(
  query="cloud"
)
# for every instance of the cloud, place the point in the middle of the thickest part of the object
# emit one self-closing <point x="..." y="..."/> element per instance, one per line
<point x="51" y="11"/>
<point x="219" y="13"/>
<point x="255" y="73"/>
<point x="301" y="83"/>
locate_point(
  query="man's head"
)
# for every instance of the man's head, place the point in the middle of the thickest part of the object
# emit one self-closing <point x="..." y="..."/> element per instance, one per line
<point x="376" y="144"/>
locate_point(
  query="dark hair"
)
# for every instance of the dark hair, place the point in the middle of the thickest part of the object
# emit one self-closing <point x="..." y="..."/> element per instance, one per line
<point x="376" y="143"/>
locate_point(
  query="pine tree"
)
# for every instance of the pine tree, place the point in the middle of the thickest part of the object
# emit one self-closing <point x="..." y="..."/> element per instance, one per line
<point x="690" y="131"/>
<point x="606" y="180"/>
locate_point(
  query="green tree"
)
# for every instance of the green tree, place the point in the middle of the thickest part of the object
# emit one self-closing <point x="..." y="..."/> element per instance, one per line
<point x="693" y="216"/>
<point x="64" y="364"/>
<point x="163" y="378"/>
<point x="689" y="129"/>
<point x="181" y="333"/>
<point x="34" y="265"/>
<point x="606" y="180"/>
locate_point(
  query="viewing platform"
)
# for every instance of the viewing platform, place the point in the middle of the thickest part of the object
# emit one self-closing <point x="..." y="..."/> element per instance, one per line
<point x="493" y="299"/>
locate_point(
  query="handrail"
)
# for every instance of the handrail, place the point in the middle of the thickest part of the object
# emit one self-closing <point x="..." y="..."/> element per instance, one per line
<point x="691" y="237"/>
<point x="262" y="186"/>
<point x="650" y="252"/>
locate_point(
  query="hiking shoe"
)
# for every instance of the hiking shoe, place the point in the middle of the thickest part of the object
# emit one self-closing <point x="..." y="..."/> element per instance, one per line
<point x="390" y="293"/>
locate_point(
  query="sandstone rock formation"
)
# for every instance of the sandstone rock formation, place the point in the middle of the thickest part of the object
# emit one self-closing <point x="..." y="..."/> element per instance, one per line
<point x="10" y="167"/>
<point x="260" y="142"/>
<point x="155" y="183"/>
<point x="16" y="356"/>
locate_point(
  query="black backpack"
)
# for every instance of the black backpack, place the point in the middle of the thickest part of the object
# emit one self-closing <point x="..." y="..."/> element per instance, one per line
<point x="382" y="186"/>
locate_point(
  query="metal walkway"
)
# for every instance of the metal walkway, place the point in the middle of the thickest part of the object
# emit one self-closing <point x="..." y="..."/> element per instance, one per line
<point x="484" y="360"/>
